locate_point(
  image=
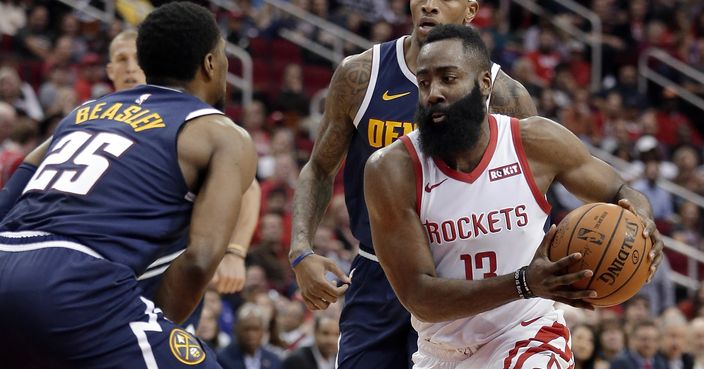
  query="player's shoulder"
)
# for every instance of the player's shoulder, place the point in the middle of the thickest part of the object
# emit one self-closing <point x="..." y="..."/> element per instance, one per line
<point x="363" y="59"/>
<point x="390" y="162"/>
<point x="546" y="140"/>
<point x="218" y="127"/>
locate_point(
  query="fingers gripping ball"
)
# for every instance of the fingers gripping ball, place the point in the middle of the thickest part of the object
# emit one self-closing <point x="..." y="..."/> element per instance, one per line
<point x="612" y="245"/>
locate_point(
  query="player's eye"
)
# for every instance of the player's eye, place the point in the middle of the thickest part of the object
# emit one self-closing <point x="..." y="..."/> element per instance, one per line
<point x="449" y="79"/>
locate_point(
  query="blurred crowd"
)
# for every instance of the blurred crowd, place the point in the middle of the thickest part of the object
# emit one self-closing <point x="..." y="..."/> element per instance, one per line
<point x="52" y="58"/>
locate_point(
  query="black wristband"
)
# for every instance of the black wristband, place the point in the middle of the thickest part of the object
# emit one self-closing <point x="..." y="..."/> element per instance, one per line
<point x="527" y="293"/>
<point x="517" y="281"/>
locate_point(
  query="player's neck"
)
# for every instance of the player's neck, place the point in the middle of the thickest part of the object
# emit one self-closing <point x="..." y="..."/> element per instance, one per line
<point x="411" y="49"/>
<point x="466" y="161"/>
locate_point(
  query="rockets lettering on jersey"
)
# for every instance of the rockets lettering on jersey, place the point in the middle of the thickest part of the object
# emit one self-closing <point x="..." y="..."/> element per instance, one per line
<point x="480" y="225"/>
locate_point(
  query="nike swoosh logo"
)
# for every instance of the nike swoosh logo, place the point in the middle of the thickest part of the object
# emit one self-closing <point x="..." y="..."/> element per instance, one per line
<point x="526" y="323"/>
<point x="388" y="97"/>
<point x="429" y="188"/>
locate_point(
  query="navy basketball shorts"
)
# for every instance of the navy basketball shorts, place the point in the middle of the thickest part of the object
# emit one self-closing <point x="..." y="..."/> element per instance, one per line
<point x="375" y="329"/>
<point x="63" y="306"/>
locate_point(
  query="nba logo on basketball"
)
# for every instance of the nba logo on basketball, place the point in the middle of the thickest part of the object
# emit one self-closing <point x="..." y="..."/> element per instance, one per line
<point x="504" y="172"/>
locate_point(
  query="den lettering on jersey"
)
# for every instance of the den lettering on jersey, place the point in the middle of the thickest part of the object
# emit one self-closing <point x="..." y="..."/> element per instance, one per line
<point x="393" y="91"/>
<point x="481" y="225"/>
<point x="86" y="183"/>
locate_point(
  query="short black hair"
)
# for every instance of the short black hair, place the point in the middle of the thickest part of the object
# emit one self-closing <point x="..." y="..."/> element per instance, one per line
<point x="471" y="40"/>
<point x="173" y="41"/>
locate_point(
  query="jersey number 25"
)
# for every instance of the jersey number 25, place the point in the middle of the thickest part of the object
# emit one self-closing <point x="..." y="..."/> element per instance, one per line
<point x="75" y="163"/>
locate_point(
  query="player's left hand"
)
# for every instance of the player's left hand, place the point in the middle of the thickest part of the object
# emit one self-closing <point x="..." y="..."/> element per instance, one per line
<point x="229" y="277"/>
<point x="650" y="230"/>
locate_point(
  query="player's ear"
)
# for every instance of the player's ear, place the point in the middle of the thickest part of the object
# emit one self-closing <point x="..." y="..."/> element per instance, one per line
<point x="471" y="11"/>
<point x="209" y="65"/>
<point x="485" y="83"/>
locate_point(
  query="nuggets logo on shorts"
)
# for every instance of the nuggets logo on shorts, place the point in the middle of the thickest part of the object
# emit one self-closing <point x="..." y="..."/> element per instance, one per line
<point x="186" y="348"/>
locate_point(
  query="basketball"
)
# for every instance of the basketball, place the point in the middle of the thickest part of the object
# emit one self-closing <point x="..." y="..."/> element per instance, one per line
<point x="611" y="241"/>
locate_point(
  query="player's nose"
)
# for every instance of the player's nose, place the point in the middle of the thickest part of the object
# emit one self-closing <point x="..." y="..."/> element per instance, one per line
<point x="435" y="95"/>
<point x="430" y="6"/>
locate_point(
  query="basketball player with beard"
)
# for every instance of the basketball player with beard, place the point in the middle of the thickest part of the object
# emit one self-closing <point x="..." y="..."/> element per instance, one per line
<point x="457" y="210"/>
<point x="371" y="103"/>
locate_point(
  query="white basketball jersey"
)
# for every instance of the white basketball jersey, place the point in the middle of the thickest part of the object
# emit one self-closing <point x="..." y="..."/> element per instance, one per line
<point x="480" y="225"/>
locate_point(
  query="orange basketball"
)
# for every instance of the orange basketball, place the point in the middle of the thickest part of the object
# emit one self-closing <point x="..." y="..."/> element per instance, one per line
<point x="611" y="241"/>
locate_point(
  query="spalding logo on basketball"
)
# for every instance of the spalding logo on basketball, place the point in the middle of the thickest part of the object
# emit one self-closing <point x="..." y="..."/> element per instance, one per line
<point x="611" y="241"/>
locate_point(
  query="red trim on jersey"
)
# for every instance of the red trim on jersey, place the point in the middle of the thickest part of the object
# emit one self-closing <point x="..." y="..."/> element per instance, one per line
<point x="527" y="173"/>
<point x="418" y="169"/>
<point x="545" y="335"/>
<point x="486" y="158"/>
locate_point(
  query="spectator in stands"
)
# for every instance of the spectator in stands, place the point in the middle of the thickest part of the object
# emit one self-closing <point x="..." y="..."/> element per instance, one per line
<point x="687" y="160"/>
<point x="23" y="139"/>
<point x="253" y="121"/>
<point x="321" y="354"/>
<point x="325" y="244"/>
<point x="71" y="27"/>
<point x="292" y="328"/>
<point x="272" y="340"/>
<point x="381" y="31"/>
<point x="547" y="106"/>
<point x="292" y="99"/>
<point x="270" y="252"/>
<point x="689" y="227"/>
<point x="694" y="306"/>
<point x="584" y="347"/>
<point x="612" y="339"/>
<point x="578" y="117"/>
<point x="338" y="219"/>
<point x="59" y="77"/>
<point x="524" y="72"/>
<point x="246" y="352"/>
<point x="546" y="57"/>
<point x="644" y="340"/>
<point x="35" y="39"/>
<point x="19" y="94"/>
<point x="209" y="331"/>
<point x="13" y="17"/>
<point x="696" y="341"/>
<point x="660" y="199"/>
<point x="256" y="281"/>
<point x="61" y="56"/>
<point x="8" y="119"/>
<point x="284" y="171"/>
<point x="660" y="292"/>
<point x="89" y="83"/>
<point x="674" y="342"/>
<point x="635" y="309"/>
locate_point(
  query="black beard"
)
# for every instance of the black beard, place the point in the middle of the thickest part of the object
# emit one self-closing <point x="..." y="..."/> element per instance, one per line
<point x="460" y="130"/>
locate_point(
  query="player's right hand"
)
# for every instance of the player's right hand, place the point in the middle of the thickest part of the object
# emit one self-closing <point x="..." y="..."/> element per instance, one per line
<point x="318" y="292"/>
<point x="550" y="280"/>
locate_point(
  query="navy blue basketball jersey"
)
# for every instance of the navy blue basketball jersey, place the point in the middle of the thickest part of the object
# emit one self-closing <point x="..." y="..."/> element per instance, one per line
<point x="387" y="113"/>
<point x="111" y="178"/>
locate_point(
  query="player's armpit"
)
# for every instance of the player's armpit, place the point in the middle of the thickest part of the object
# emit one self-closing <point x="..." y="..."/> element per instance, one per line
<point x="225" y="156"/>
<point x="314" y="187"/>
<point x="509" y="97"/>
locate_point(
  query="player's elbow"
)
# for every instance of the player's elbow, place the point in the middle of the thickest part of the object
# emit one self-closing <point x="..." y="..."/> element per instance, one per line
<point x="419" y="302"/>
<point x="200" y="266"/>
